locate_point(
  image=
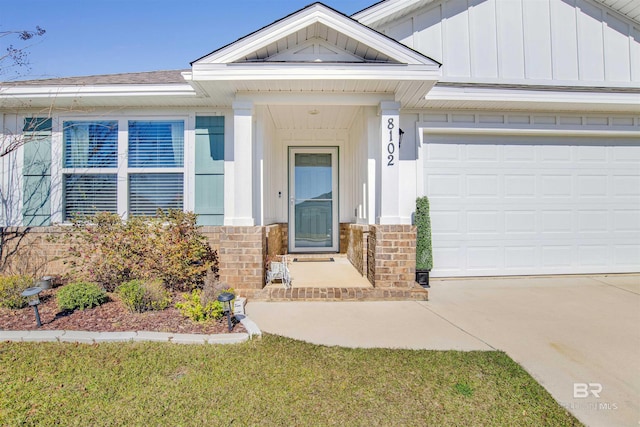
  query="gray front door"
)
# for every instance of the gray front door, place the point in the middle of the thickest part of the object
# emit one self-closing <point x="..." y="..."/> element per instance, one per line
<point x="313" y="200"/>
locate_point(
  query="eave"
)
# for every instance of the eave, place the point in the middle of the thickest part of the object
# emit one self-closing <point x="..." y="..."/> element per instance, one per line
<point x="548" y="99"/>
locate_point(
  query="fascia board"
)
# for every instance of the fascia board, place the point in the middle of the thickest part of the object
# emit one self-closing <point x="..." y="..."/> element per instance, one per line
<point x="289" y="71"/>
<point x="507" y="96"/>
<point x="103" y="90"/>
<point x="303" y="19"/>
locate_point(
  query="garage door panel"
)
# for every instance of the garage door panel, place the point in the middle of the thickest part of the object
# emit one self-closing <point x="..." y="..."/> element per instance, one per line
<point x="518" y="222"/>
<point x="556" y="186"/>
<point x="555" y="256"/>
<point x="590" y="155"/>
<point x="626" y="220"/>
<point x="484" y="258"/>
<point x="593" y="221"/>
<point x="520" y="257"/>
<point x="628" y="154"/>
<point x="626" y="186"/>
<point x="627" y="255"/>
<point x="593" y="255"/>
<point x="539" y="209"/>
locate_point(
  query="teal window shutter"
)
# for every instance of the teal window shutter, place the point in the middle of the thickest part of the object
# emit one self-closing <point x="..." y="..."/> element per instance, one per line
<point x="36" y="172"/>
<point x="209" y="170"/>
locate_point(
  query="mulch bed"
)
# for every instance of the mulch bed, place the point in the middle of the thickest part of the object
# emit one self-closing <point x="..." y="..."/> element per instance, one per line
<point x="112" y="316"/>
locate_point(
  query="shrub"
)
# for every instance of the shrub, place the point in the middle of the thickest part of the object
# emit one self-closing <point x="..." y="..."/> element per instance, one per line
<point x="80" y="295"/>
<point x="140" y="296"/>
<point x="424" y="255"/>
<point x="202" y="305"/>
<point x="106" y="250"/>
<point x="10" y="289"/>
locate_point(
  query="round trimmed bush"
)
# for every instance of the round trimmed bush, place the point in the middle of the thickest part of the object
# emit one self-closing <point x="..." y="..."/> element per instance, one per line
<point x="80" y="295"/>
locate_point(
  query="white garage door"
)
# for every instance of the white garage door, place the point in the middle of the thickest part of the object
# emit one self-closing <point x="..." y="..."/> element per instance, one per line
<point x="522" y="206"/>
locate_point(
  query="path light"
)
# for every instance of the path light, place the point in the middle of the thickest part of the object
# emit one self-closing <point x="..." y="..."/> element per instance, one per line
<point x="32" y="297"/>
<point x="225" y="298"/>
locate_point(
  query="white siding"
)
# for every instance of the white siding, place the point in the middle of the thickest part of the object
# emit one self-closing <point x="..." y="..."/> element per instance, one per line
<point x="525" y="41"/>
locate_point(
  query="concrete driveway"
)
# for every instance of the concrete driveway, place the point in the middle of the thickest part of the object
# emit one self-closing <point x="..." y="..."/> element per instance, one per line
<point x="579" y="336"/>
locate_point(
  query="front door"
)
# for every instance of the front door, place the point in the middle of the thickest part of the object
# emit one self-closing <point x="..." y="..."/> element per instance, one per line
<point x="313" y="200"/>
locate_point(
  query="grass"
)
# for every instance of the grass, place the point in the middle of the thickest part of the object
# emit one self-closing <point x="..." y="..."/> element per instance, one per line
<point x="272" y="381"/>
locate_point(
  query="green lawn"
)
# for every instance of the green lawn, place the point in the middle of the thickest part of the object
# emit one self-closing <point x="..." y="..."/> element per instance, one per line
<point x="272" y="381"/>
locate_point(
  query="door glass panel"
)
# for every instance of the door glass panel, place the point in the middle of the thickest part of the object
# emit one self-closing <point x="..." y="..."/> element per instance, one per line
<point x="313" y="200"/>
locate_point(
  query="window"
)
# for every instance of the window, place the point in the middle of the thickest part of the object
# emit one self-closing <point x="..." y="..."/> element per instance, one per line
<point x="90" y="161"/>
<point x="90" y="194"/>
<point x="152" y="191"/>
<point x="91" y="144"/>
<point x="156" y="144"/>
<point x="151" y="169"/>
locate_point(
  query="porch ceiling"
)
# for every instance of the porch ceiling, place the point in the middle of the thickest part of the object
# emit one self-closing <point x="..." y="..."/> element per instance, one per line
<point x="312" y="117"/>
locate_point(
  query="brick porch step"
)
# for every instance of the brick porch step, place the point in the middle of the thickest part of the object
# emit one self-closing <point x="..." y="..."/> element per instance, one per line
<point x="335" y="294"/>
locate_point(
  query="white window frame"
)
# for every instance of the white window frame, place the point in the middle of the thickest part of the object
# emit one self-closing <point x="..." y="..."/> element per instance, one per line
<point x="58" y="171"/>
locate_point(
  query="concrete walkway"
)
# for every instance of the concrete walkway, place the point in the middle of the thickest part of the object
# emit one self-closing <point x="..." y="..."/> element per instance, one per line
<point x="577" y="335"/>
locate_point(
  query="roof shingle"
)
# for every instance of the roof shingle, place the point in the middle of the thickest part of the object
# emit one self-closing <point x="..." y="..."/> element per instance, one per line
<point x="150" y="77"/>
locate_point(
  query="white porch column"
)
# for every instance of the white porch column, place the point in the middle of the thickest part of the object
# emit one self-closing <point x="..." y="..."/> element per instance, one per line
<point x="389" y="163"/>
<point x="242" y="214"/>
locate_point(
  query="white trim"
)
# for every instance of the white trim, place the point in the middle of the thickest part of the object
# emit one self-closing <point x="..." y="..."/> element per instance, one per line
<point x="33" y="91"/>
<point x="122" y="170"/>
<point x="383" y="10"/>
<point x="335" y="211"/>
<point x="321" y="71"/>
<point x="57" y="191"/>
<point x="519" y="130"/>
<point x="507" y="96"/>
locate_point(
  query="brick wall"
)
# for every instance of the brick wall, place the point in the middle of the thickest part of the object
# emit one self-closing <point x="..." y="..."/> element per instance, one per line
<point x="242" y="254"/>
<point x="37" y="251"/>
<point x="392" y="256"/>
<point x="276" y="240"/>
<point x="357" y="247"/>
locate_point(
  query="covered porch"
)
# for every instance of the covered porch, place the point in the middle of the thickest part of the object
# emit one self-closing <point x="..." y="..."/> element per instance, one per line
<point x="313" y="157"/>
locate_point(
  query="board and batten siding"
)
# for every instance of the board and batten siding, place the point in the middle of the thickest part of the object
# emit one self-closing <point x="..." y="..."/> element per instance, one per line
<point x="36" y="202"/>
<point x="524" y="41"/>
<point x="209" y="170"/>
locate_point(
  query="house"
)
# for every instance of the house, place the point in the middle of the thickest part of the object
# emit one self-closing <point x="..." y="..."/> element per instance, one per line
<point x="519" y="119"/>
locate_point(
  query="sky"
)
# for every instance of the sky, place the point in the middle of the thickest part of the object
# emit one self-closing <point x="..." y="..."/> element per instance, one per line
<point x="88" y="37"/>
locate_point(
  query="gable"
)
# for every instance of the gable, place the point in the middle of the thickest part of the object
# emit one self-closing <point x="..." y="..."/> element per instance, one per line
<point x="317" y="43"/>
<point x="319" y="31"/>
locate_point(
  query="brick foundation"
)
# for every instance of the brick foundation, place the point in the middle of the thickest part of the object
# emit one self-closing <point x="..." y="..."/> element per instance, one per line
<point x="384" y="253"/>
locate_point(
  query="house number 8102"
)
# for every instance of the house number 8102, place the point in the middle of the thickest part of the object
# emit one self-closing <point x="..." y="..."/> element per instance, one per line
<point x="391" y="147"/>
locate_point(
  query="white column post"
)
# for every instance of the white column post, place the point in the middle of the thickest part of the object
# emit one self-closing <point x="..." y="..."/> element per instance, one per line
<point x="243" y="164"/>
<point x="389" y="163"/>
